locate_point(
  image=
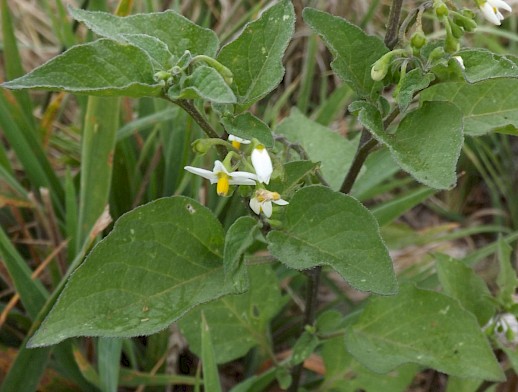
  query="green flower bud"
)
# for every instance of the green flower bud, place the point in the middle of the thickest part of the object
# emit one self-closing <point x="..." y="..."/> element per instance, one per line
<point x="456" y="31"/>
<point x="468" y="13"/>
<point x="451" y="44"/>
<point x="380" y="68"/>
<point x="466" y="23"/>
<point x="161" y="75"/>
<point x="201" y="146"/>
<point x="441" y="10"/>
<point x="436" y="54"/>
<point x="418" y="40"/>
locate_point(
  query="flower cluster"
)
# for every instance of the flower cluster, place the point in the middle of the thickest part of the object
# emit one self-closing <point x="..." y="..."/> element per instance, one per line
<point x="224" y="177"/>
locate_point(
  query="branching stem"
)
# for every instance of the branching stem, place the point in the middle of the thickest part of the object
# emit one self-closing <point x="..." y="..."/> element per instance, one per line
<point x="391" y="37"/>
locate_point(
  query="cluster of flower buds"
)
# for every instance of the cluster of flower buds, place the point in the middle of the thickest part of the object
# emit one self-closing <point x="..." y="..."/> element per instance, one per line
<point x="224" y="175"/>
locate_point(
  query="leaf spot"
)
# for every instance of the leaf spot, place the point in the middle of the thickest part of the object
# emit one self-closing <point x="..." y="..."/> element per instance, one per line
<point x="190" y="208"/>
<point x="445" y="310"/>
<point x="285" y="17"/>
<point x="144" y="320"/>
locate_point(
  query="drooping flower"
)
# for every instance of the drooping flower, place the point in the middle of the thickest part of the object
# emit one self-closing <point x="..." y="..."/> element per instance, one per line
<point x="262" y="164"/>
<point x="223" y="178"/>
<point x="237" y="141"/>
<point x="491" y="10"/>
<point x="262" y="202"/>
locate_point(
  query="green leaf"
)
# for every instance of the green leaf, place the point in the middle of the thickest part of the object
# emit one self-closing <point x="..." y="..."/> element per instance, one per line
<point x="108" y="360"/>
<point x="304" y="347"/>
<point x="173" y="29"/>
<point x="485" y="106"/>
<point x="423" y="327"/>
<point x="345" y="374"/>
<point x="335" y="152"/>
<point x="462" y="283"/>
<point x="208" y="358"/>
<point x="411" y="83"/>
<point x="204" y="83"/>
<point x="238" y="322"/>
<point x="481" y="64"/>
<point x="156" y="49"/>
<point x="294" y="173"/>
<point x="255" y="57"/>
<point x="426" y="144"/>
<point x="102" y="67"/>
<point x="354" y="52"/>
<point x="323" y="227"/>
<point x="506" y="279"/>
<point x="240" y="236"/>
<point x="159" y="261"/>
<point x="247" y="126"/>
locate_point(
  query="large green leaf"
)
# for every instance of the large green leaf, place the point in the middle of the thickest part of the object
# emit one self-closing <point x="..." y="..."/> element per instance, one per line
<point x="427" y="142"/>
<point x="237" y="322"/>
<point x="486" y="105"/>
<point x="462" y="283"/>
<point x="255" y="57"/>
<point x="323" y="227"/>
<point x="423" y="327"/>
<point x="103" y="67"/>
<point x="334" y="151"/>
<point x="176" y="31"/>
<point x="481" y="64"/>
<point x="159" y="261"/>
<point x="354" y="52"/>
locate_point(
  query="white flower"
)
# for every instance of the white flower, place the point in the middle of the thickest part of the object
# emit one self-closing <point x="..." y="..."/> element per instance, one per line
<point x="262" y="164"/>
<point x="491" y="10"/>
<point x="460" y="61"/>
<point x="237" y="141"/>
<point x="262" y="202"/>
<point x="221" y="176"/>
<point x="505" y="327"/>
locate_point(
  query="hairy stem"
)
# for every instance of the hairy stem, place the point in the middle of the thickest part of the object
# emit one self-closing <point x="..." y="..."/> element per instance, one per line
<point x="391" y="37"/>
<point x="200" y="120"/>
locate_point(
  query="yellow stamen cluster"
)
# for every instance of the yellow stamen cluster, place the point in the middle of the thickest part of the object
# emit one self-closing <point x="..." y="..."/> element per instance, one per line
<point x="223" y="184"/>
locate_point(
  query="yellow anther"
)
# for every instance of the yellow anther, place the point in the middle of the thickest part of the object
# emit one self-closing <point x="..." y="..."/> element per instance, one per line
<point x="223" y="184"/>
<point x="236" y="144"/>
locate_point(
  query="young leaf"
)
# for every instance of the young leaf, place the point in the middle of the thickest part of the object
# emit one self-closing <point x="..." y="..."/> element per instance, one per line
<point x="485" y="106"/>
<point x="462" y="283"/>
<point x="240" y="236"/>
<point x="423" y="327"/>
<point x="159" y="261"/>
<point x="427" y="142"/>
<point x="173" y="29"/>
<point x="102" y="67"/>
<point x="354" y="52"/>
<point x="156" y="49"/>
<point x="247" y="126"/>
<point x="335" y="152"/>
<point x="294" y="173"/>
<point x="411" y="83"/>
<point x="323" y="227"/>
<point x="255" y="57"/>
<point x="238" y="322"/>
<point x="204" y="83"/>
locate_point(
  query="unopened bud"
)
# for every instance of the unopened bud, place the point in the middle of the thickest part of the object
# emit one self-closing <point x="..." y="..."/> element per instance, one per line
<point x="418" y="40"/>
<point x="380" y="68"/>
<point x="441" y="9"/>
<point x="456" y="31"/>
<point x="465" y="22"/>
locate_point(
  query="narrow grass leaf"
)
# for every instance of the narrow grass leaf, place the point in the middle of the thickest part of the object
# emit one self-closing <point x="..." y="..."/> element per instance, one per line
<point x="108" y="360"/>
<point x="211" y="380"/>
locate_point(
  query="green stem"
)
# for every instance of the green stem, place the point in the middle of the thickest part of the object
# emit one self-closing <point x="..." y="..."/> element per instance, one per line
<point x="200" y="120"/>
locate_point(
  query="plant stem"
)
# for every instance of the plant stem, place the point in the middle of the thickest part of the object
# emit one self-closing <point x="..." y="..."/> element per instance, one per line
<point x="367" y="143"/>
<point x="309" y="317"/>
<point x="200" y="120"/>
<point x="391" y="37"/>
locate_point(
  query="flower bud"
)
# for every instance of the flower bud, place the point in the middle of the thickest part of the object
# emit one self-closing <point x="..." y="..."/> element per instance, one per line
<point x="465" y="22"/>
<point x="418" y="40"/>
<point x="380" y="68"/>
<point x="456" y="31"/>
<point x="441" y="9"/>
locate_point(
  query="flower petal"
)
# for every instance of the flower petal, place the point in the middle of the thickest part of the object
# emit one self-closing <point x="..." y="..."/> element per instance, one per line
<point x="255" y="205"/>
<point x="233" y="138"/>
<point x="203" y="173"/>
<point x="219" y="167"/>
<point x="242" y="178"/>
<point x="267" y="208"/>
<point x="262" y="164"/>
<point x="500" y="4"/>
<point x="489" y="13"/>
<point x="281" y="202"/>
